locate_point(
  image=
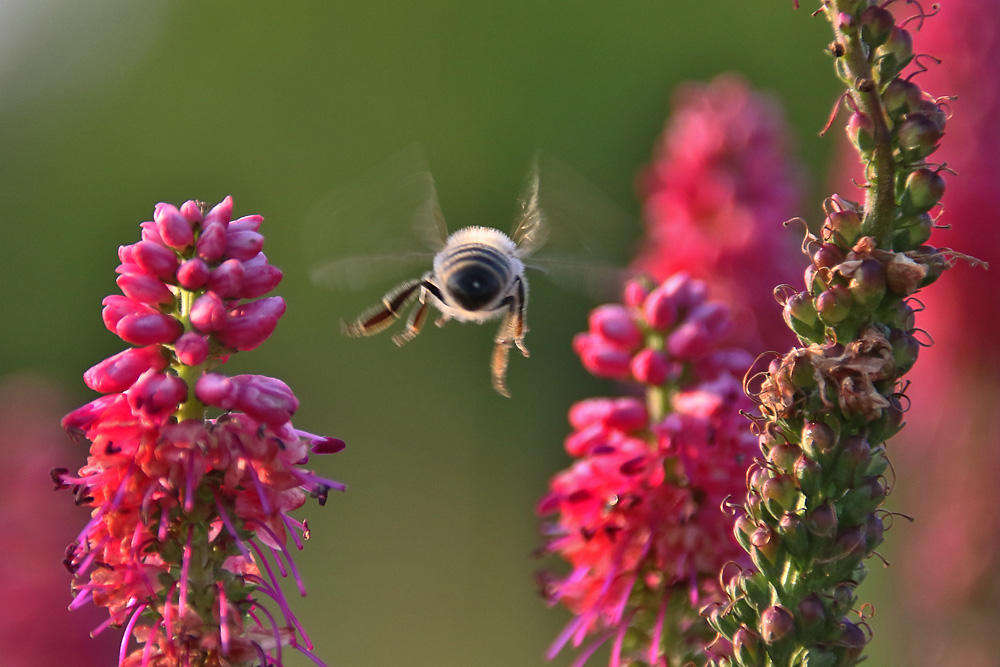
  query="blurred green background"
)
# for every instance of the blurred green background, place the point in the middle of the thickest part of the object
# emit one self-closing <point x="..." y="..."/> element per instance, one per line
<point x="107" y="108"/>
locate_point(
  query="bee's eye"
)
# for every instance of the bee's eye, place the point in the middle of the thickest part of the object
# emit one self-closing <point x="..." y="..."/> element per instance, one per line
<point x="473" y="286"/>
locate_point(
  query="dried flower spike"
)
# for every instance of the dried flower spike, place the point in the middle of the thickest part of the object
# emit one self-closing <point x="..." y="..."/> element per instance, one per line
<point x="812" y="514"/>
<point x="191" y="515"/>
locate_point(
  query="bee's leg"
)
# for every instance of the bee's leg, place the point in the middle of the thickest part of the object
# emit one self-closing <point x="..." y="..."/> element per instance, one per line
<point x="378" y="318"/>
<point x="516" y="325"/>
<point x="415" y="322"/>
<point x="498" y="364"/>
<point x="512" y="330"/>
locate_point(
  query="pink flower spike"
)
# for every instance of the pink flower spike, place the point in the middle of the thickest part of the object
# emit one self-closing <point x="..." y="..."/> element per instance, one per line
<point x="212" y="242"/>
<point x="208" y="313"/>
<point x="660" y="309"/>
<point x="250" y="325"/>
<point x="265" y="398"/>
<point x="173" y="227"/>
<point x="157" y="394"/>
<point x="193" y="273"/>
<point x="606" y="361"/>
<point x="148" y="329"/>
<point x="191" y="349"/>
<point x="227" y="278"/>
<point x="155" y="259"/>
<point x="216" y="390"/>
<point x="221" y="212"/>
<point x="118" y="372"/>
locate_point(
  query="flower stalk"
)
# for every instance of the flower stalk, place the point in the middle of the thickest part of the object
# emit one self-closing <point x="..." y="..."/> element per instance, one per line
<point x="812" y="515"/>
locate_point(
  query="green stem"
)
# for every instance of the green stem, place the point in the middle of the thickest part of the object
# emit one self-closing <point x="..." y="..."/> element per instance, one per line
<point x="192" y="408"/>
<point x="880" y="198"/>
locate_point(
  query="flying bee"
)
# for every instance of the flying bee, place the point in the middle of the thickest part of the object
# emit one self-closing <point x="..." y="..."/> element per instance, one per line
<point x="477" y="275"/>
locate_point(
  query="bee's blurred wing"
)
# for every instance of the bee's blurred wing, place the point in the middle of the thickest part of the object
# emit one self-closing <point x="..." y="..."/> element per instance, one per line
<point x="588" y="237"/>
<point x="531" y="229"/>
<point x="384" y="223"/>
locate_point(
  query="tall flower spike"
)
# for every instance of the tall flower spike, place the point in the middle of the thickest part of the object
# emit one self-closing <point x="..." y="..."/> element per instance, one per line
<point x="191" y="514"/>
<point x="637" y="515"/>
<point x="812" y="514"/>
<point x="721" y="182"/>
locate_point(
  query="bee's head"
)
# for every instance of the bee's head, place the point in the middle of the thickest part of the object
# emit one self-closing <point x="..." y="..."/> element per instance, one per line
<point x="473" y="286"/>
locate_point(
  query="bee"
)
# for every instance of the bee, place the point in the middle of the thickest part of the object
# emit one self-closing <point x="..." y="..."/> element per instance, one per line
<point x="474" y="274"/>
<point x="478" y="274"/>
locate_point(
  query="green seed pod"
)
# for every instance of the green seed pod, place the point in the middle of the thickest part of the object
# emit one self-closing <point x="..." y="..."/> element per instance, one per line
<point x="893" y="54"/>
<point x="905" y="349"/>
<point x="874" y="532"/>
<point x="897" y="314"/>
<point x="918" y="136"/>
<point x="818" y="440"/>
<point x="809" y="475"/>
<point x="922" y="190"/>
<point x="776" y="623"/>
<point x="834" y="304"/>
<point x="794" y="535"/>
<point x="780" y="494"/>
<point x="901" y="97"/>
<point x="783" y="456"/>
<point x="876" y="24"/>
<point x="842" y="228"/>
<point x="867" y="284"/>
<point x="861" y="132"/>
<point x="765" y="548"/>
<point x="822" y="521"/>
<point x="812" y="614"/>
<point x="912" y="232"/>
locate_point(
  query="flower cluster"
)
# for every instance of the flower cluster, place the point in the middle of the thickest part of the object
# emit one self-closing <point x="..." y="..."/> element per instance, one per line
<point x="812" y="514"/>
<point x="721" y="183"/>
<point x="637" y="515"/>
<point x="187" y="508"/>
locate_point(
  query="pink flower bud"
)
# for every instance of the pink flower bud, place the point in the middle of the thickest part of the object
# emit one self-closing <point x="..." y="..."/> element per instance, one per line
<point x="265" y="399"/>
<point x="650" y="367"/>
<point x="208" y="313"/>
<point x="174" y="229"/>
<point x="193" y="273"/>
<point x="590" y="411"/>
<point x="659" y="309"/>
<point x="687" y="292"/>
<point x="249" y="325"/>
<point x="689" y="340"/>
<point x="607" y="361"/>
<point x="635" y="293"/>
<point x="148" y="329"/>
<point x="212" y="242"/>
<point x="191" y="349"/>
<point x="191" y="211"/>
<point x="221" y="212"/>
<point x="327" y="445"/>
<point x="628" y="415"/>
<point x="145" y="288"/>
<point x="248" y="223"/>
<point x="259" y="278"/>
<point x="227" y="278"/>
<point x="155" y="259"/>
<point x="118" y="372"/>
<point x="116" y="307"/>
<point x="150" y="233"/>
<point x="216" y="390"/>
<point x="157" y="394"/>
<point x="243" y="244"/>
<point x="126" y="253"/>
<point x="614" y="323"/>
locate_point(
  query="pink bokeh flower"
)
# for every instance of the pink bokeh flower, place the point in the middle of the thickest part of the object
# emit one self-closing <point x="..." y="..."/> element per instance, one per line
<point x="720" y="185"/>
<point x="191" y="515"/>
<point x="637" y="516"/>
<point x="35" y="524"/>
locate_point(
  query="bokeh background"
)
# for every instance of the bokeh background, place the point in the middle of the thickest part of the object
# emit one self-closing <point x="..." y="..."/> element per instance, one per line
<point x="107" y="108"/>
